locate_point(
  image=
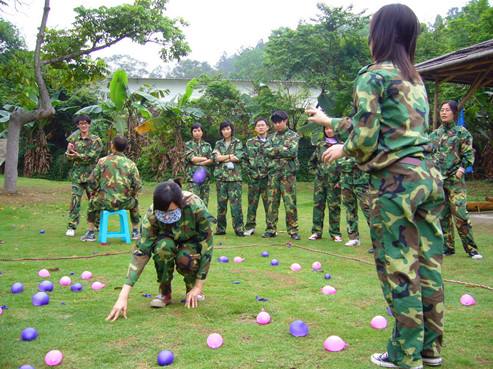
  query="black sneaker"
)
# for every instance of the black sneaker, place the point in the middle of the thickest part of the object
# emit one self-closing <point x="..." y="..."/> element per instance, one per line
<point x="220" y="233"/>
<point x="89" y="236"/>
<point x="449" y="252"/>
<point x="239" y="234"/>
<point x="295" y="236"/>
<point x="135" y="234"/>
<point x="382" y="360"/>
<point x="432" y="361"/>
<point x="474" y="254"/>
<point x="269" y="234"/>
<point x="371" y="250"/>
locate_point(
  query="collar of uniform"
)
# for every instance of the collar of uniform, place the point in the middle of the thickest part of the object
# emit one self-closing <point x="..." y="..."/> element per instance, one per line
<point x="448" y="126"/>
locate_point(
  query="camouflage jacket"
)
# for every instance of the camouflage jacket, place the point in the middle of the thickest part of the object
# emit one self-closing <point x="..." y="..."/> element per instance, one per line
<point x="194" y="148"/>
<point x="324" y="171"/>
<point x="282" y="152"/>
<point x="115" y="179"/>
<point x="391" y="118"/>
<point x="89" y="150"/>
<point x="452" y="149"/>
<point x="221" y="171"/>
<point x="256" y="160"/>
<point x="193" y="226"/>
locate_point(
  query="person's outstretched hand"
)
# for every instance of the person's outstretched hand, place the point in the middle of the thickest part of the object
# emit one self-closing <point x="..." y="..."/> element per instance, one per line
<point x="318" y="116"/>
<point x="333" y="153"/>
<point x="120" y="307"/>
<point x="191" y="300"/>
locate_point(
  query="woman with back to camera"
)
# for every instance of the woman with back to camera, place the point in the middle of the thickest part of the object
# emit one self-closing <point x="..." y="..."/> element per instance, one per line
<point x="388" y="138"/>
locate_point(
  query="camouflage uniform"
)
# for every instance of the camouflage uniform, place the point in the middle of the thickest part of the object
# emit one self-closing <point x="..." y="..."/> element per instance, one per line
<point x="388" y="138"/>
<point x="282" y="152"/>
<point x="115" y="182"/>
<point x="453" y="149"/>
<point x="326" y="188"/>
<point x="201" y="148"/>
<point x="89" y="150"/>
<point x="186" y="244"/>
<point x="354" y="186"/>
<point x="228" y="184"/>
<point x="257" y="169"/>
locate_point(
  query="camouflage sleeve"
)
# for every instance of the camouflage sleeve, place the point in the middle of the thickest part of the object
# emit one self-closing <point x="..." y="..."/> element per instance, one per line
<point x="208" y="151"/>
<point x="136" y="181"/>
<point x="215" y="152"/>
<point x="290" y="148"/>
<point x="239" y="151"/>
<point x="95" y="176"/>
<point x="312" y="163"/>
<point x="342" y="127"/>
<point x="189" y="154"/>
<point x="93" y="154"/>
<point x="363" y="139"/>
<point x="205" y="238"/>
<point x="467" y="151"/>
<point x="143" y="250"/>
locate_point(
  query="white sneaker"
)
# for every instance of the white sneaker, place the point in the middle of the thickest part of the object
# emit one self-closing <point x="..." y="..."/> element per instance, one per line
<point x="249" y="232"/>
<point x="352" y="243"/>
<point x="315" y="236"/>
<point x="70" y="232"/>
<point x="337" y="239"/>
<point x="477" y="257"/>
<point x="383" y="361"/>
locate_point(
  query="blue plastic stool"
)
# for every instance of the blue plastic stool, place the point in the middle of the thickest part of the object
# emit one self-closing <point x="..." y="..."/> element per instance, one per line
<point x="124" y="227"/>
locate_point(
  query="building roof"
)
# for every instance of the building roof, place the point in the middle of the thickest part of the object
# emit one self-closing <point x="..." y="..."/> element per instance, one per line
<point x="463" y="66"/>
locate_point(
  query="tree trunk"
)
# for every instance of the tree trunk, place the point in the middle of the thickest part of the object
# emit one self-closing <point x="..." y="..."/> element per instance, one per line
<point x="12" y="155"/>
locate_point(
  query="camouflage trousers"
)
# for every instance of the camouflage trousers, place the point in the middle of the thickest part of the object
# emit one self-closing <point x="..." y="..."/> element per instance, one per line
<point x="256" y="188"/>
<point x="201" y="191"/>
<point x="282" y="186"/>
<point x="78" y="190"/>
<point x="229" y="191"/>
<point x="406" y="203"/>
<point x="329" y="192"/>
<point x="96" y="205"/>
<point x="354" y="187"/>
<point x="455" y="206"/>
<point x="185" y="256"/>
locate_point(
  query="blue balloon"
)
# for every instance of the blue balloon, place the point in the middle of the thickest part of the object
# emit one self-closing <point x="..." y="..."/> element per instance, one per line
<point x="26" y="366"/>
<point x="46" y="286"/>
<point x="40" y="299"/>
<point x="17" y="287"/>
<point x="327" y="276"/>
<point x="165" y="358"/>
<point x="265" y="253"/>
<point x="223" y="259"/>
<point x="76" y="287"/>
<point x="200" y="175"/>
<point x="298" y="328"/>
<point x="42" y="231"/>
<point x="29" y="334"/>
<point x="274" y="262"/>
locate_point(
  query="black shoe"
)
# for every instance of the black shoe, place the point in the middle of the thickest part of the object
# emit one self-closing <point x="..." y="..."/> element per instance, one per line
<point x="135" y="234"/>
<point x="371" y="250"/>
<point x="220" y="233"/>
<point x="89" y="236"/>
<point x="432" y="361"/>
<point x="449" y="252"/>
<point x="269" y="234"/>
<point x="295" y="236"/>
<point x="474" y="254"/>
<point x="239" y="234"/>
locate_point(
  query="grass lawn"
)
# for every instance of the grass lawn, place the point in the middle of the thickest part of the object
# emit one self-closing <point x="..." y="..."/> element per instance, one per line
<point x="74" y="322"/>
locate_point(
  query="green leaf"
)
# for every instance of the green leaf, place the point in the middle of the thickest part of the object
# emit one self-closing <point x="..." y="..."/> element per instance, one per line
<point x="90" y="110"/>
<point x="118" y="88"/>
<point x="4" y="116"/>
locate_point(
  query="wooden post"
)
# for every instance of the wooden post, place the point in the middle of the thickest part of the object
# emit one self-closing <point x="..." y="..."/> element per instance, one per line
<point x="435" y="104"/>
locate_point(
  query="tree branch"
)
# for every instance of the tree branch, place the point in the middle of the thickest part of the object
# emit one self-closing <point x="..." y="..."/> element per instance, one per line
<point x="45" y="102"/>
<point x="84" y="52"/>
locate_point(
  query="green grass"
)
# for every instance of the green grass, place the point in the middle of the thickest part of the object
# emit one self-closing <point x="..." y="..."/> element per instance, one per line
<point x="79" y="330"/>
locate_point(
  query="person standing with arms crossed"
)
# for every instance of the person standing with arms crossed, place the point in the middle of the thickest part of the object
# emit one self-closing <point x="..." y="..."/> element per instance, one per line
<point x="389" y="140"/>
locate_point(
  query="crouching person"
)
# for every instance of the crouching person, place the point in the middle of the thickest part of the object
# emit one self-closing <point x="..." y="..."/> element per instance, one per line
<point x="176" y="230"/>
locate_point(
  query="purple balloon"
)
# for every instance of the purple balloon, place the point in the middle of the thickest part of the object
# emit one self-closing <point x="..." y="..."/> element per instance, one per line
<point x="26" y="366"/>
<point x="274" y="262"/>
<point x="200" y="175"/>
<point x="29" y="334"/>
<point x="46" y="286"/>
<point x="265" y="254"/>
<point x="165" y="358"/>
<point x="40" y="299"/>
<point x="42" y="231"/>
<point x="327" y="276"/>
<point x="223" y="259"/>
<point x="17" y="287"/>
<point x="298" y="328"/>
<point x="76" y="287"/>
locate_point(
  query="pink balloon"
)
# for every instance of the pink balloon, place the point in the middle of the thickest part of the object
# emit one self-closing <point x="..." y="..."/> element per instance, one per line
<point x="295" y="267"/>
<point x="334" y="344"/>
<point x="1" y="311"/>
<point x="467" y="300"/>
<point x="86" y="275"/>
<point x="65" y="281"/>
<point x="378" y="322"/>
<point x="316" y="266"/>
<point x="54" y="358"/>
<point x="329" y="290"/>
<point x="214" y="341"/>
<point x="238" y="259"/>
<point x="96" y="286"/>
<point x="263" y="318"/>
<point x="44" y="273"/>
